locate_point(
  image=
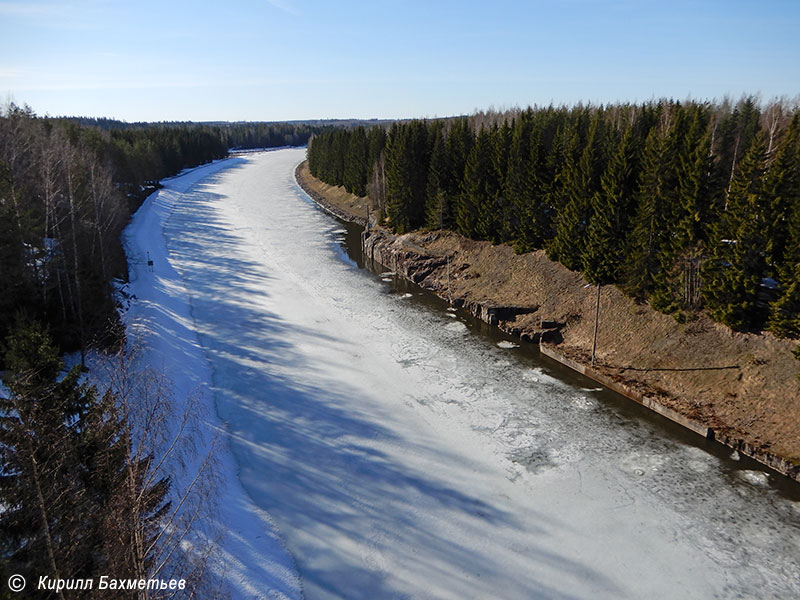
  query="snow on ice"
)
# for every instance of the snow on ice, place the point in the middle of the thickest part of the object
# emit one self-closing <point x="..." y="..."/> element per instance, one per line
<point x="378" y="449"/>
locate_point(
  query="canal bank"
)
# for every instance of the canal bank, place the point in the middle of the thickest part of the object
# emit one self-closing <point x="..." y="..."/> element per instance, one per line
<point x="404" y="448"/>
<point x="738" y="389"/>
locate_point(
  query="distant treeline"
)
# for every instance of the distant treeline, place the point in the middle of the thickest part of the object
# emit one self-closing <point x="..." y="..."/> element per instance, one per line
<point x="684" y="205"/>
<point x="147" y="152"/>
<point x="69" y="186"/>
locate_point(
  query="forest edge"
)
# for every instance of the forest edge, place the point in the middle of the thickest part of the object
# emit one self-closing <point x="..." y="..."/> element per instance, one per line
<point x="442" y="262"/>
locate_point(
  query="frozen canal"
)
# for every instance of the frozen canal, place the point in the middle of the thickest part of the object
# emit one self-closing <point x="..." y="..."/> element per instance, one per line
<point x="402" y="455"/>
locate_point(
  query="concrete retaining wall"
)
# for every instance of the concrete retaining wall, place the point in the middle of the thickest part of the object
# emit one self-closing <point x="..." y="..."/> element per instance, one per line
<point x="767" y="459"/>
<point x="649" y="401"/>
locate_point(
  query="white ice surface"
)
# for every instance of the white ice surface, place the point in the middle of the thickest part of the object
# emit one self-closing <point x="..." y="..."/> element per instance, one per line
<point x="507" y="345"/>
<point x="399" y="455"/>
<point x="251" y="556"/>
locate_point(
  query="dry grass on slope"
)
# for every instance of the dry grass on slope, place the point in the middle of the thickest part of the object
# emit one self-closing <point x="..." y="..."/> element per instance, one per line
<point x="744" y="385"/>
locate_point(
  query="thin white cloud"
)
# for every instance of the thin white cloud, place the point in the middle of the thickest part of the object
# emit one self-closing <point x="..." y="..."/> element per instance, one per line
<point x="284" y="6"/>
<point x="33" y="9"/>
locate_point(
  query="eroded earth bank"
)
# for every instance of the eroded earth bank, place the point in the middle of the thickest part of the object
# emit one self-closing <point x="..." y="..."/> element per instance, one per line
<point x="743" y="387"/>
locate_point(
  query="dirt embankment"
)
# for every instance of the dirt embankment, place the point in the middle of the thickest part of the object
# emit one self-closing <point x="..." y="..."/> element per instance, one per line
<point x="743" y="387"/>
<point x="335" y="199"/>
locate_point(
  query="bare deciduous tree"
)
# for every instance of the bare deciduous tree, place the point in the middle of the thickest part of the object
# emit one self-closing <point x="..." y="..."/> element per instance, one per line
<point x="171" y="450"/>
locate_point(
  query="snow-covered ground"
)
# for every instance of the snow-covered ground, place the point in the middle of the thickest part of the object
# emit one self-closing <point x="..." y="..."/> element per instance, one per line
<point x="251" y="557"/>
<point x="396" y="455"/>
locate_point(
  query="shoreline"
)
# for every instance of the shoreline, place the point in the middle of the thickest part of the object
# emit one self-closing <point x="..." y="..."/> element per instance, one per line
<point x="433" y="261"/>
<point x="322" y="201"/>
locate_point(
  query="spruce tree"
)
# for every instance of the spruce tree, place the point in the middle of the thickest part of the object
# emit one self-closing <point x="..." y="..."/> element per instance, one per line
<point x="521" y="186"/>
<point x="477" y="217"/>
<point x="355" y="165"/>
<point x="784" y="319"/>
<point x="376" y="142"/>
<point x="676" y="282"/>
<point x="540" y="173"/>
<point x="458" y="147"/>
<point x="420" y="146"/>
<point x="407" y="163"/>
<point x="695" y="163"/>
<point x="398" y="185"/>
<point x="654" y="196"/>
<point x="580" y="180"/>
<point x="515" y="184"/>
<point x="567" y="216"/>
<point x="548" y="160"/>
<point x="502" y="208"/>
<point x="734" y="273"/>
<point x="734" y="130"/>
<point x="782" y="192"/>
<point x="65" y="456"/>
<point x="53" y="488"/>
<point x="437" y="202"/>
<point x="610" y="211"/>
<point x="16" y="255"/>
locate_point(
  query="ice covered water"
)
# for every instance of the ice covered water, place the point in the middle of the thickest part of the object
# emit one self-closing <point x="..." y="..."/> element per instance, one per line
<point x="403" y="456"/>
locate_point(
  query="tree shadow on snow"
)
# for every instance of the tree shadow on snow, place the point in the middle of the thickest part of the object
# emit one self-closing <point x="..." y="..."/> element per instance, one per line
<point x="313" y="457"/>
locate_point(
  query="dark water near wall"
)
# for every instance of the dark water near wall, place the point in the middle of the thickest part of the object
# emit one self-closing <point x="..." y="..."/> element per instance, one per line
<point x="621" y="409"/>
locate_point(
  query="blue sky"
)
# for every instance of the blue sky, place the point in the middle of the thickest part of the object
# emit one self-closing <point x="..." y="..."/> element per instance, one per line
<point x="301" y="59"/>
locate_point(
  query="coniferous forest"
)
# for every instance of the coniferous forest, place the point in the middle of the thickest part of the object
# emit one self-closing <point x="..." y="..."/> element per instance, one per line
<point x="684" y="205"/>
<point x="687" y="206"/>
<point x="67" y="189"/>
<point x="89" y="483"/>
